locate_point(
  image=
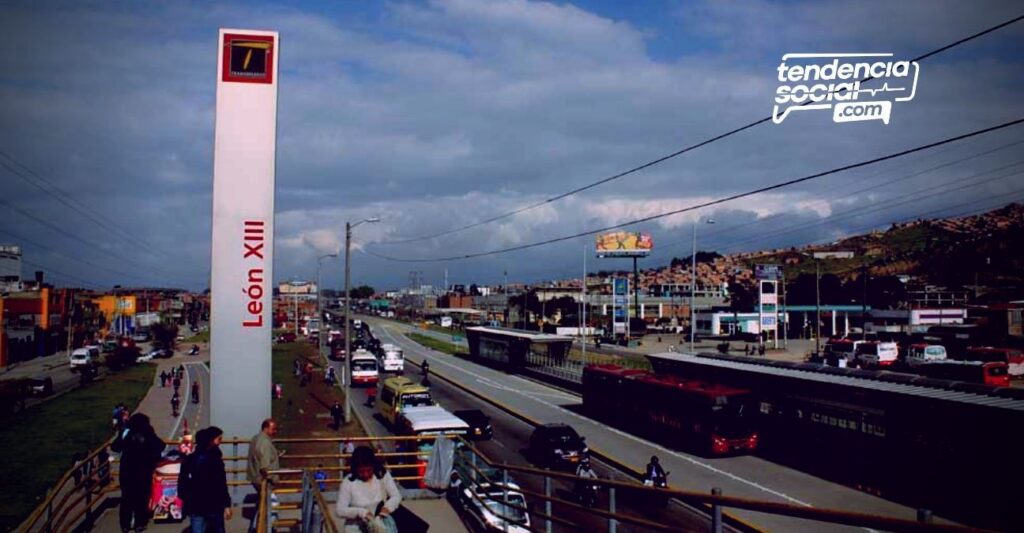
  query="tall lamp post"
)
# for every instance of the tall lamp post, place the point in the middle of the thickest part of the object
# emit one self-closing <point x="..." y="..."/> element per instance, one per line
<point x="345" y="373"/>
<point x="693" y="281"/>
<point x="319" y="303"/>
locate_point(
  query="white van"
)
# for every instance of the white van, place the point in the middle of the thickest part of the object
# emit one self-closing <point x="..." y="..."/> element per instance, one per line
<point x="874" y="354"/>
<point x="393" y="359"/>
<point x="919" y="354"/>
<point x="83" y="357"/>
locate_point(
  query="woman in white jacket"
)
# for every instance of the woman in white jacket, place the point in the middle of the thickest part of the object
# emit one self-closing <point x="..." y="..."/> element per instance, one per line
<point x="367" y="487"/>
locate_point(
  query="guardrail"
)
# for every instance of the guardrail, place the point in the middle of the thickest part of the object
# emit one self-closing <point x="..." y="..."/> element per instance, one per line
<point x="72" y="501"/>
<point x="714" y="501"/>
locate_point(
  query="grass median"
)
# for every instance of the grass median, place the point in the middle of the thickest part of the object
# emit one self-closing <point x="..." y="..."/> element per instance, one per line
<point x="302" y="411"/>
<point x="436" y="344"/>
<point x="39" y="442"/>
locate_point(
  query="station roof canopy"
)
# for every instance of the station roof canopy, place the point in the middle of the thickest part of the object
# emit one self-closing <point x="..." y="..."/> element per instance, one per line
<point x="456" y="311"/>
<point x="532" y="336"/>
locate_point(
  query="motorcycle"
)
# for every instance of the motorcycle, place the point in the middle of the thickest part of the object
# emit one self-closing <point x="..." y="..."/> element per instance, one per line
<point x="658" y="482"/>
<point x="194" y="350"/>
<point x="586" y="493"/>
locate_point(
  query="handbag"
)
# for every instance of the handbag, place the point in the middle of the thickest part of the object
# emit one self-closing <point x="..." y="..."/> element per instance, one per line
<point x="379" y="524"/>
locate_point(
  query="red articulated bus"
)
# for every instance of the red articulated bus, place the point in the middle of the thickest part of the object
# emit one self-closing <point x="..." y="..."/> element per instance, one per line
<point x="707" y="416"/>
<point x="1013" y="357"/>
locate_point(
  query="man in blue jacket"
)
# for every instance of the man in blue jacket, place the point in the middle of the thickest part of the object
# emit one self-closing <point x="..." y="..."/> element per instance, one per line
<point x="203" y="484"/>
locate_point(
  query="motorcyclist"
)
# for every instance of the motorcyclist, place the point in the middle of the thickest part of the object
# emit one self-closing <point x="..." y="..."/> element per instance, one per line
<point x="195" y="350"/>
<point x="425" y="367"/>
<point x="584" y="489"/>
<point x="655" y="474"/>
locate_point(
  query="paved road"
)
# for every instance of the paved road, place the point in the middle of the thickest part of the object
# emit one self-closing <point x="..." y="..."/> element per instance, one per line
<point x="746" y="476"/>
<point x="511" y="437"/>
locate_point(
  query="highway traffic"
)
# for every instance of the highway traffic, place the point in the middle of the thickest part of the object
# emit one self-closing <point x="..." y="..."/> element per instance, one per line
<point x="525" y="402"/>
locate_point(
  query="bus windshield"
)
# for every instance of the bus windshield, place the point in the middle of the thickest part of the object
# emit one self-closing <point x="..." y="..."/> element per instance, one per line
<point x="364" y="366"/>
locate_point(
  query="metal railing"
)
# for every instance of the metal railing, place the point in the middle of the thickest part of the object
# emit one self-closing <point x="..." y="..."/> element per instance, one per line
<point x="71" y="502"/>
<point x="470" y="458"/>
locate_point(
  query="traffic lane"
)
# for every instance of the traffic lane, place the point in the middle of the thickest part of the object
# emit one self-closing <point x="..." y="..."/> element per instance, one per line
<point x="511" y="438"/>
<point x="744" y="476"/>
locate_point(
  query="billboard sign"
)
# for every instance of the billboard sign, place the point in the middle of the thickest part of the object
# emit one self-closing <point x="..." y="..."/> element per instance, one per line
<point x="624" y="244"/>
<point x="767" y="272"/>
<point x="245" y="145"/>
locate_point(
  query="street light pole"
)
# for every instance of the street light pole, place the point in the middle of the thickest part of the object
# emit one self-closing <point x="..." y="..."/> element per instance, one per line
<point x="319" y="303"/>
<point x="693" y="283"/>
<point x="346" y="374"/>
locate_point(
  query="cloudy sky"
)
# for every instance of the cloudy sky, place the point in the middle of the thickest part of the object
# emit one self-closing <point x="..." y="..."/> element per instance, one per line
<point x="434" y="115"/>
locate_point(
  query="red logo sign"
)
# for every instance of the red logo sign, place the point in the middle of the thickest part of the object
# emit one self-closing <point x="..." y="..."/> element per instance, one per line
<point x="248" y="58"/>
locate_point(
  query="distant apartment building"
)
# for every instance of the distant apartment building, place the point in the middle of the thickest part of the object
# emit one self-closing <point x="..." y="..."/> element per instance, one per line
<point x="10" y="268"/>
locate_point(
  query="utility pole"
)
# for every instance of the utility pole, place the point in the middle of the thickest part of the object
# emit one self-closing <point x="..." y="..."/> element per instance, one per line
<point x="693" y="284"/>
<point x="583" y="307"/>
<point x="345" y="369"/>
<point x="864" y="305"/>
<point x="319" y="304"/>
<point x="348" y="328"/>
<point x="817" y="305"/>
<point x="504" y="289"/>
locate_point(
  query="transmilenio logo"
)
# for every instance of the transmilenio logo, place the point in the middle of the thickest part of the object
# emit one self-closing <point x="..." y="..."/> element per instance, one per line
<point x="832" y="81"/>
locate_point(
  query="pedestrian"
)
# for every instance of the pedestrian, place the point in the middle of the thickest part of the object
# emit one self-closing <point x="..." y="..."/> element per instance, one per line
<point x="321" y="477"/>
<point x="368" y="495"/>
<point x="760" y="350"/>
<point x="76" y="467"/>
<point x="297" y="368"/>
<point x="140" y="453"/>
<point x="345" y="448"/>
<point x="203" y="484"/>
<point x="87" y="470"/>
<point x="163" y="378"/>
<point x="336" y="414"/>
<point x="371" y="395"/>
<point x="115" y="417"/>
<point x="175" y="403"/>
<point x="103" y="467"/>
<point x="263" y="457"/>
<point x="181" y="371"/>
<point x="177" y="384"/>
<point x="278" y="391"/>
<point x="195" y="392"/>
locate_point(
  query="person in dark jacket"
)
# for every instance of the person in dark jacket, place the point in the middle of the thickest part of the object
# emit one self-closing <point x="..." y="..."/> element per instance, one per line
<point x="140" y="453"/>
<point x="203" y="484"/>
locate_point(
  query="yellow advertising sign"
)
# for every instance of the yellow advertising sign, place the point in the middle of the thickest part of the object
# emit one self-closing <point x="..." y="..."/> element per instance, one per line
<point x="624" y="244"/>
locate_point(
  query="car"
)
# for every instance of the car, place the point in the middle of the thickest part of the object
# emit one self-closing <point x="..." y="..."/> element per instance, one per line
<point x="287" y="336"/>
<point x="160" y="353"/>
<point x="145" y="358"/>
<point x="557" y="446"/>
<point x="41" y="385"/>
<point x="140" y="336"/>
<point x="479" y="424"/>
<point x="485" y="504"/>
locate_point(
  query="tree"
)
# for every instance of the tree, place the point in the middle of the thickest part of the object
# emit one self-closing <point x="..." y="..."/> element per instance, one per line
<point x="164" y="335"/>
<point x="123" y="357"/>
<point x="362" y="292"/>
<point x="702" y="257"/>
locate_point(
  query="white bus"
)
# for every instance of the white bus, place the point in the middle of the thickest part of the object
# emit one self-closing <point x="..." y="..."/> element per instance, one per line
<point x="393" y="359"/>
<point x="364" y="368"/>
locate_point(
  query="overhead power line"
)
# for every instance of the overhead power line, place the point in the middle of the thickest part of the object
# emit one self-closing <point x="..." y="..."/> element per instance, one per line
<point x="93" y="245"/>
<point x="34" y="179"/>
<point x="666" y="247"/>
<point x="677" y="153"/>
<point x="718" y="201"/>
